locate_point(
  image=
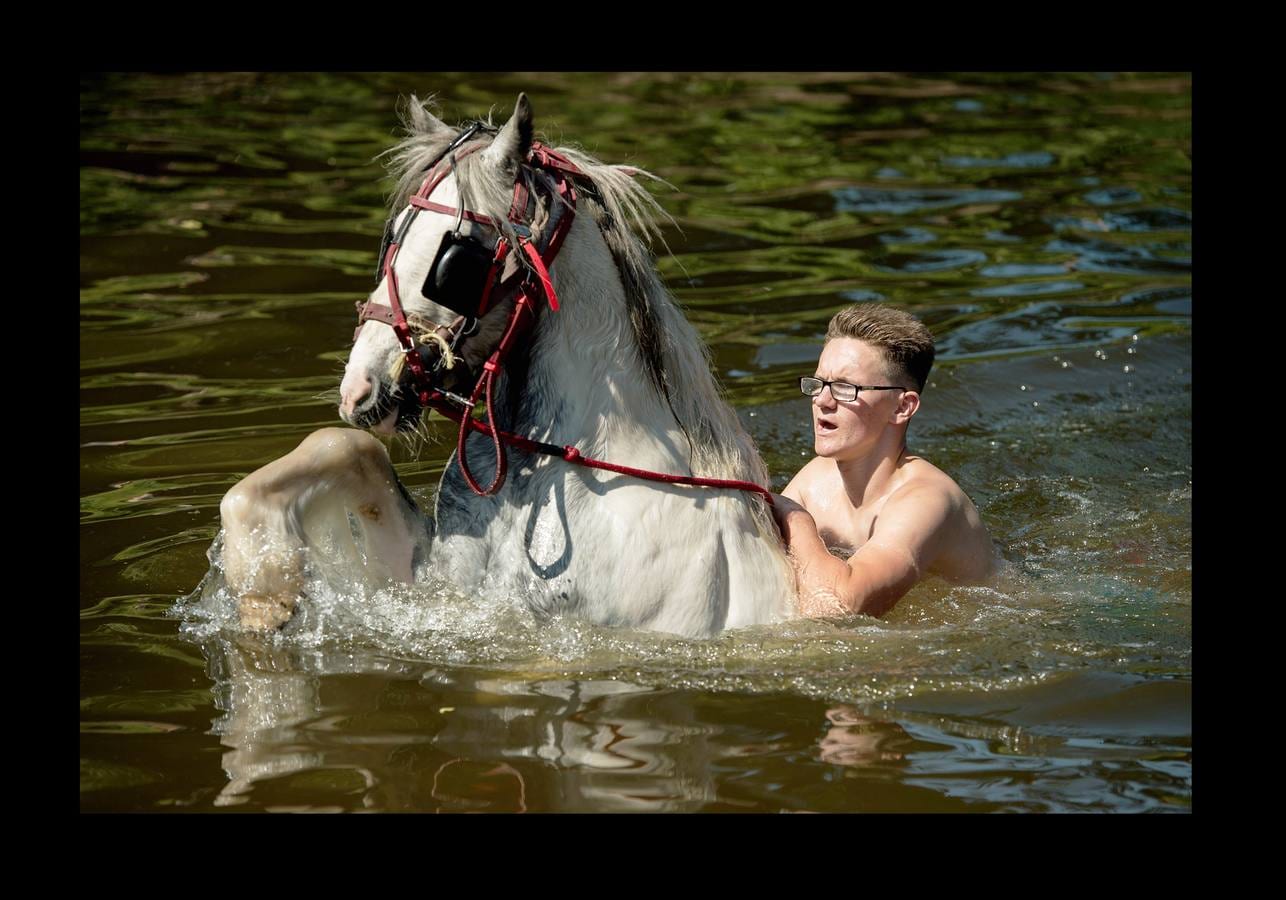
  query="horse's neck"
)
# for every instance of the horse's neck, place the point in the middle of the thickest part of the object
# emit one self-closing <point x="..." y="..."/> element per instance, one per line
<point x="587" y="384"/>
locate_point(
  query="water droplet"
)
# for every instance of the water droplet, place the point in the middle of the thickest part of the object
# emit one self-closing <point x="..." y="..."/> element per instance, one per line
<point x="1127" y="369"/>
<point x="1146" y="469"/>
<point x="1131" y="350"/>
<point x="1035" y="403"/>
<point x="994" y="443"/>
<point x="1022" y="387"/>
<point x="1066" y="364"/>
<point x="1055" y="359"/>
<point x="1134" y="337"/>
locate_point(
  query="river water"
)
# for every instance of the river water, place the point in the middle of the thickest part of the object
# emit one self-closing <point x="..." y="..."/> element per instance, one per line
<point x="1039" y="224"/>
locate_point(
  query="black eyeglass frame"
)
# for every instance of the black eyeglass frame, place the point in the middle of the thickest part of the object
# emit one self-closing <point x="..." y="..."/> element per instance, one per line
<point x="821" y="383"/>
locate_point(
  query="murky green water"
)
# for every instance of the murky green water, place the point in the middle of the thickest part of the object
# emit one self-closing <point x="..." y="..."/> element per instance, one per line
<point x="1040" y="225"/>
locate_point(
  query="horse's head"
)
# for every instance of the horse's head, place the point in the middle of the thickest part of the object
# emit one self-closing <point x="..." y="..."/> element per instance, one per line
<point x="440" y="287"/>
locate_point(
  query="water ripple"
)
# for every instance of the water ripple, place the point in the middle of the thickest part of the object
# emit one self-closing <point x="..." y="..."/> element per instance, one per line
<point x="911" y="200"/>
<point x="1018" y="270"/>
<point x="1093" y="255"/>
<point x="1134" y="221"/>
<point x="1027" y="289"/>
<point x="1033" y="160"/>
<point x="931" y="261"/>
<point x="1113" y="196"/>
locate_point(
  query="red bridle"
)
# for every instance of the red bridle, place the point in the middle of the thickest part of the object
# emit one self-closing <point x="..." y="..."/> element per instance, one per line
<point x="521" y="319"/>
<point x="393" y="314"/>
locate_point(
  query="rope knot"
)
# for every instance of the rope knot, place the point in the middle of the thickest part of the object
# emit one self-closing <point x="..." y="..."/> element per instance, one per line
<point x="570" y="453"/>
<point x="448" y="358"/>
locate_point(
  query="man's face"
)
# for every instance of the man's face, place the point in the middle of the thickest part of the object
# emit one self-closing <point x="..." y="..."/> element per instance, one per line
<point x="849" y="430"/>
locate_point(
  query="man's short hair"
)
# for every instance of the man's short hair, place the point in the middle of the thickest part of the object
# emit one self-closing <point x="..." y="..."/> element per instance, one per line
<point x="907" y="344"/>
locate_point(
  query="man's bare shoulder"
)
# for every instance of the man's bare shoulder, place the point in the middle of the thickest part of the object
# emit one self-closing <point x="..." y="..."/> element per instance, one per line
<point x="931" y="511"/>
<point x="924" y="480"/>
<point x="816" y="477"/>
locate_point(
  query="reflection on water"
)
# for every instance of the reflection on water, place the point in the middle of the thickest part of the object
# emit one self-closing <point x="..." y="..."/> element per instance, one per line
<point x="1039" y="224"/>
<point x="392" y="735"/>
<point x="429" y="739"/>
<point x="853" y="739"/>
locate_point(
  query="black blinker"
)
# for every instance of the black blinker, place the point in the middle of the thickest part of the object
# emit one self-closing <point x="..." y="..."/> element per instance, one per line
<point x="458" y="275"/>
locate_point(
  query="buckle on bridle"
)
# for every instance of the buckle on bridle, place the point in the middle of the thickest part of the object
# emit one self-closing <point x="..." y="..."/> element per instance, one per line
<point x="463" y="402"/>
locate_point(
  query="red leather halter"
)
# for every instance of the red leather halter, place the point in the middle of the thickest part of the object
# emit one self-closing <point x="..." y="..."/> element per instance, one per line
<point x="521" y="319"/>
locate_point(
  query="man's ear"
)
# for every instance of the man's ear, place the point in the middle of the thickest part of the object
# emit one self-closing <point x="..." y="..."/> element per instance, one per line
<point x="907" y="407"/>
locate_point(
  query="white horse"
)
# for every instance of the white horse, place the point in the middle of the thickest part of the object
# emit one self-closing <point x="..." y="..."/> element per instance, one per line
<point x="616" y="371"/>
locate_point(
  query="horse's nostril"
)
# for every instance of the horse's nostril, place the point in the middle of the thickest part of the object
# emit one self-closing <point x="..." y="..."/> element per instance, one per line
<point x="353" y="396"/>
<point x="351" y="400"/>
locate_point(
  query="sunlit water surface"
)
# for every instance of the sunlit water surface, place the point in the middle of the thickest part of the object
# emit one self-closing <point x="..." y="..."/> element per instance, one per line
<point x="1039" y="224"/>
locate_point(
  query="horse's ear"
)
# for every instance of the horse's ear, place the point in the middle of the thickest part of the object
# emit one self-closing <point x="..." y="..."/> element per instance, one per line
<point x="514" y="140"/>
<point x="421" y="121"/>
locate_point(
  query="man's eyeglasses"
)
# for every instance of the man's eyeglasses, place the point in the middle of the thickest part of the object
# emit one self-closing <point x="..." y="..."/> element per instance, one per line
<point x="841" y="390"/>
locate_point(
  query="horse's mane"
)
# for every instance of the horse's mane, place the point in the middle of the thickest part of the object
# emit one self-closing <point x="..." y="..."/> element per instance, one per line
<point x="676" y="360"/>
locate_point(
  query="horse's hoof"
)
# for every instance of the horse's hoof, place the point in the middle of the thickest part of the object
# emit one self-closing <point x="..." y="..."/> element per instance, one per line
<point x="263" y="612"/>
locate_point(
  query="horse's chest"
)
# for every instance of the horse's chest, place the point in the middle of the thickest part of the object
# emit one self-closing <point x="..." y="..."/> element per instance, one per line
<point x="519" y="543"/>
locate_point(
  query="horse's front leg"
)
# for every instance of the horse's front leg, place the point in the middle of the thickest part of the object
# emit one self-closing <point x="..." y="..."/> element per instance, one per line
<point x="306" y="502"/>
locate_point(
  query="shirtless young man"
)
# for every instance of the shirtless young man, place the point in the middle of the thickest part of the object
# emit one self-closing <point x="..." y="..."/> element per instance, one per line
<point x="899" y="516"/>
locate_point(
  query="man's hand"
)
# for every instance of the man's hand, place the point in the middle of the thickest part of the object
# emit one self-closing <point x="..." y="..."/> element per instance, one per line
<point x="786" y="510"/>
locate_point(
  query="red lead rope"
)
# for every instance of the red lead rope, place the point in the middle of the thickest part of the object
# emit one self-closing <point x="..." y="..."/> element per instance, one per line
<point x="568" y="453"/>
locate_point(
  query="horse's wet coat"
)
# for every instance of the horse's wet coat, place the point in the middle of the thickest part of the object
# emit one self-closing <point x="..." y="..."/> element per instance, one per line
<point x="617" y="372"/>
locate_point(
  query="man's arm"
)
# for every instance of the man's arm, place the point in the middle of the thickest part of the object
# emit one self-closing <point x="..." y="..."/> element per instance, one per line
<point x="907" y="538"/>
